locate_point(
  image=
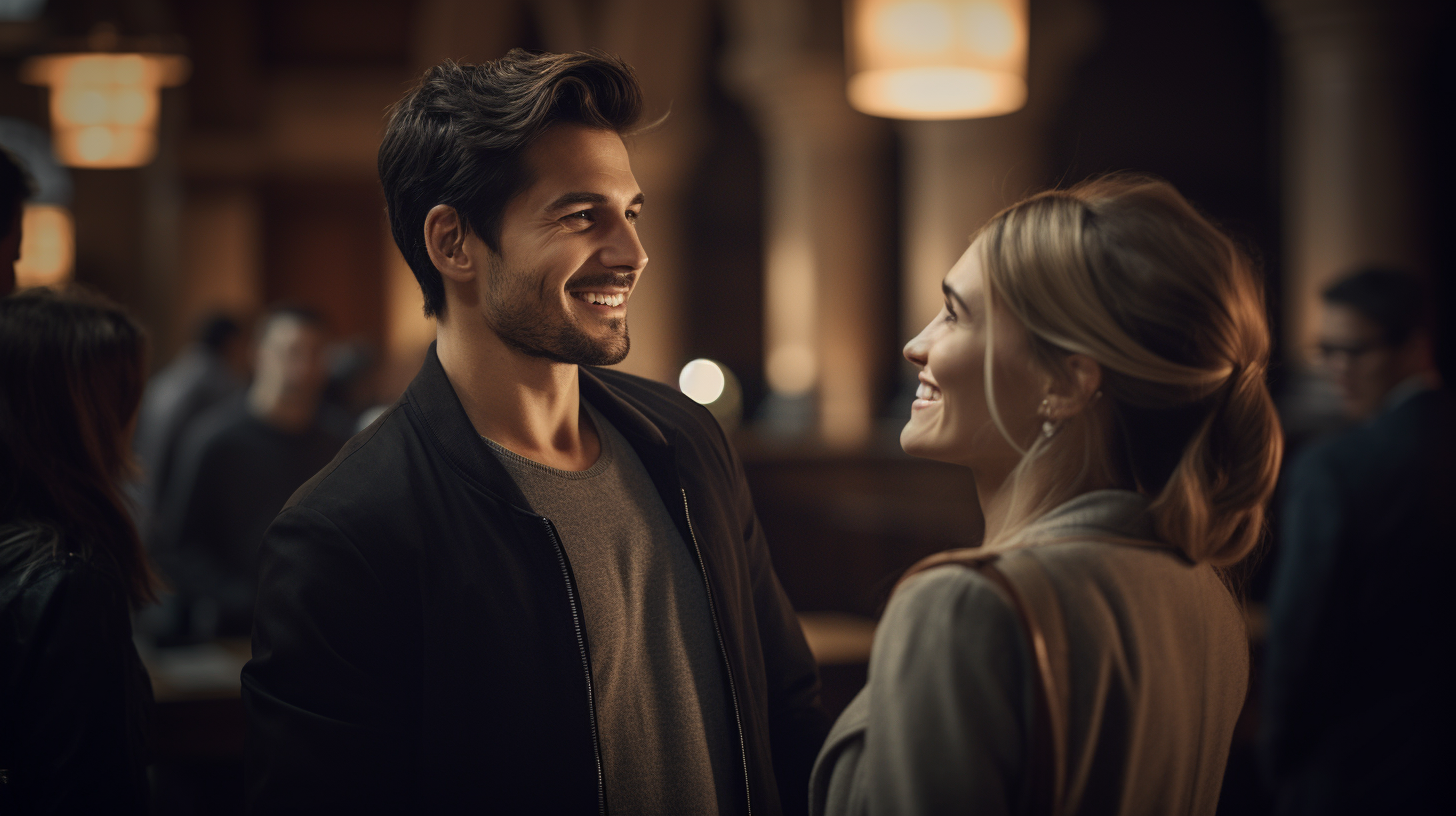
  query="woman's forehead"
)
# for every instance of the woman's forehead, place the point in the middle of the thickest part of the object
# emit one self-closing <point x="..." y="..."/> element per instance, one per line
<point x="967" y="278"/>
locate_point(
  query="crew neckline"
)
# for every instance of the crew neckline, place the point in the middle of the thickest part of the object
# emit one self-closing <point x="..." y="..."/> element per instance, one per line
<point x="604" y="457"/>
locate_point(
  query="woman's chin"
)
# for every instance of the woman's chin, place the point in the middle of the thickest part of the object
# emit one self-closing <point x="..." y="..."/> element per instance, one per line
<point x="914" y="441"/>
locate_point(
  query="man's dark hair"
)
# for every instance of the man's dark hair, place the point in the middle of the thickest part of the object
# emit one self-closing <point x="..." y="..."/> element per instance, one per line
<point x="15" y="188"/>
<point x="1398" y="302"/>
<point x="216" y="330"/>
<point x="459" y="138"/>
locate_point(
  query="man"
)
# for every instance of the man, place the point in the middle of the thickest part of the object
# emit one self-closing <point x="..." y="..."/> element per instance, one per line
<point x="1376" y="341"/>
<point x="235" y="467"/>
<point x="15" y="189"/>
<point x="1356" y="717"/>
<point x="207" y="372"/>
<point x="532" y="585"/>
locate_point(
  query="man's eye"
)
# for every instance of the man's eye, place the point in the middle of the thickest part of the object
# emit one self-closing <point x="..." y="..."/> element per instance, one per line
<point x="633" y="215"/>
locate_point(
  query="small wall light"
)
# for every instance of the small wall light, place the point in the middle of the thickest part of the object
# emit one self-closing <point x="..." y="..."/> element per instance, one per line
<point x="47" y="246"/>
<point x="936" y="59"/>
<point x="104" y="105"/>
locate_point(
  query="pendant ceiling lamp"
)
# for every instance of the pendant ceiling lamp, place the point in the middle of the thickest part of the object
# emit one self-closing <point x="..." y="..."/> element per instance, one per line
<point x="105" y="100"/>
<point x="936" y="59"/>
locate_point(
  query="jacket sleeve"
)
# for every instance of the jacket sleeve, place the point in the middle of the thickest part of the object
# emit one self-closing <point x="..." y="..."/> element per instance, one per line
<point x="797" y="720"/>
<point x="321" y="695"/>
<point x="946" y="705"/>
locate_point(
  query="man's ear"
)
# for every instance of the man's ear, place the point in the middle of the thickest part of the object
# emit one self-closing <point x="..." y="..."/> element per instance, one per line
<point x="1078" y="387"/>
<point x="445" y="234"/>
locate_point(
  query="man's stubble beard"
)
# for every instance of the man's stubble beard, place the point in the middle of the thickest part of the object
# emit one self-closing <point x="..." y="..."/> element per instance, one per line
<point x="526" y="318"/>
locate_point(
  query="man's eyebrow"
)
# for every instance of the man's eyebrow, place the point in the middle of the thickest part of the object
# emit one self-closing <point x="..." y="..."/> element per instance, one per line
<point x="951" y="293"/>
<point x="572" y="199"/>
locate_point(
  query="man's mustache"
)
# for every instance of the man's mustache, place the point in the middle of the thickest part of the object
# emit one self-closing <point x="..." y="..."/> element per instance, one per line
<point x="619" y="280"/>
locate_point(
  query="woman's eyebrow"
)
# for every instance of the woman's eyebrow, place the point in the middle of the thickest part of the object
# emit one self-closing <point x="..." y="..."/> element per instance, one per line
<point x="951" y="294"/>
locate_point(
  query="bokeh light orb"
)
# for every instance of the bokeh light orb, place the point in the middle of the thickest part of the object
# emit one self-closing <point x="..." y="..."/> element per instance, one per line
<point x="702" y="380"/>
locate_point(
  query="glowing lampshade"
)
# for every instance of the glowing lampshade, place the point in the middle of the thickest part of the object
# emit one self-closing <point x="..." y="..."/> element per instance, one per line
<point x="104" y="106"/>
<point x="936" y="59"/>
<point x="47" y="246"/>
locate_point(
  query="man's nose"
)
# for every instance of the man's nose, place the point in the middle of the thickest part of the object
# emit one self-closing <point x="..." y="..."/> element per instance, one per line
<point x="623" y="249"/>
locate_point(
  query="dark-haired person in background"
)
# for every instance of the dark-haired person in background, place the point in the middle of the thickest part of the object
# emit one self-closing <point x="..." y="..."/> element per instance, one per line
<point x="15" y="189"/>
<point x="211" y="369"/>
<point x="1356" y="716"/>
<point x="75" y="701"/>
<point x="235" y="467"/>
<point x="532" y="585"/>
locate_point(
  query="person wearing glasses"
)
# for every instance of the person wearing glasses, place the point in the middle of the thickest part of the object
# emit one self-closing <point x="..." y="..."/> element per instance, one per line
<point x="1375" y="341"/>
<point x="1353" y="719"/>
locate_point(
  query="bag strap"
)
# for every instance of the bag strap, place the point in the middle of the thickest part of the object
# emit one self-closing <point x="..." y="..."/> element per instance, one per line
<point x="1046" y="754"/>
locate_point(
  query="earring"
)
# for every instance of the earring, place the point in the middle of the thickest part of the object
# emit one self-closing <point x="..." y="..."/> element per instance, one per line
<point x="1050" y="426"/>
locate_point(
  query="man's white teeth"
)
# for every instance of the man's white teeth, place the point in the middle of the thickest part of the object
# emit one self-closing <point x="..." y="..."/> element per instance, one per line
<point x="927" y="392"/>
<point x="603" y="300"/>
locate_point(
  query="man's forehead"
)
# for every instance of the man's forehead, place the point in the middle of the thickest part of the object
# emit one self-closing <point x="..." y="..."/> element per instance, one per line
<point x="1340" y="320"/>
<point x="570" y="158"/>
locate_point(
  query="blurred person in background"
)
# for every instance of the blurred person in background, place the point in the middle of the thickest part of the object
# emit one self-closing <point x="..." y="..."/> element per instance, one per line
<point x="211" y="369"/>
<point x="534" y="584"/>
<point x="15" y="188"/>
<point x="75" y="700"/>
<point x="235" y="467"/>
<point x="1356" y="718"/>
<point x="348" y="392"/>
<point x="1377" y="341"/>
<point x="1099" y="365"/>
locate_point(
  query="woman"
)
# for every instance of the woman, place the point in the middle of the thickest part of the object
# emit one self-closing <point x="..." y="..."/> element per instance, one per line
<point x="1099" y="365"/>
<point x="74" y="697"/>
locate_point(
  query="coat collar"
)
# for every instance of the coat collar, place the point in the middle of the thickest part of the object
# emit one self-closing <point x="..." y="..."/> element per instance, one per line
<point x="434" y="400"/>
<point x="1119" y="514"/>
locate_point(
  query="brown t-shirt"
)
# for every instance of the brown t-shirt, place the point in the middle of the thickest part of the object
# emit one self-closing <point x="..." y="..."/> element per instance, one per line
<point x="663" y="713"/>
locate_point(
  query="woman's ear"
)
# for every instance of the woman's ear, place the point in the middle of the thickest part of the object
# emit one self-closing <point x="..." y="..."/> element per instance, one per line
<point x="1077" y="388"/>
<point x="445" y="234"/>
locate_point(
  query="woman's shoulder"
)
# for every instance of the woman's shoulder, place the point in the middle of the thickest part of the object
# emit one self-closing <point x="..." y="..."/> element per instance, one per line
<point x="36" y="563"/>
<point x="951" y="605"/>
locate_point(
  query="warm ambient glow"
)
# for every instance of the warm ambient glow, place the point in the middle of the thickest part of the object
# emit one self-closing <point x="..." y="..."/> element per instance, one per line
<point x="703" y="381"/>
<point x="104" y="106"/>
<point x="47" y="246"/>
<point x="937" y="59"/>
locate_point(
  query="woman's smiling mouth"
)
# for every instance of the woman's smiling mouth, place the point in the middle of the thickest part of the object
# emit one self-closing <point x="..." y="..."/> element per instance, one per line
<point x="925" y="396"/>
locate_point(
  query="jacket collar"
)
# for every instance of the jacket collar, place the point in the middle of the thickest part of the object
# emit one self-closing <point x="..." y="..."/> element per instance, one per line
<point x="434" y="399"/>
<point x="1120" y="514"/>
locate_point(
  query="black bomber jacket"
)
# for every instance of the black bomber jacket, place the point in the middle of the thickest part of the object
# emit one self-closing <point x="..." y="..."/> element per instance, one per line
<point x="418" y="645"/>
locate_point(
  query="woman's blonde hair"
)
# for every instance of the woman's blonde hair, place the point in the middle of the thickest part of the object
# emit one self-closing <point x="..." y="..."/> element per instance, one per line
<point x="1123" y="269"/>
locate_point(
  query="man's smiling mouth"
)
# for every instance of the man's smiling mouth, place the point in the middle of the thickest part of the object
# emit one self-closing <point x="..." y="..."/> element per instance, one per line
<point x="601" y="298"/>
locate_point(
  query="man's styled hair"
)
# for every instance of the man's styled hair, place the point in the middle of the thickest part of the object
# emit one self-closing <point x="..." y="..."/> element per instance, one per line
<point x="459" y="138"/>
<point x="1398" y="302"/>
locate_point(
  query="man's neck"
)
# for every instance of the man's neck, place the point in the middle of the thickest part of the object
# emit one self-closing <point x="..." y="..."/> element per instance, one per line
<point x="528" y="405"/>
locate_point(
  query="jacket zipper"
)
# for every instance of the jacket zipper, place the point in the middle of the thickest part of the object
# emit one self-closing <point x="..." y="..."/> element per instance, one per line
<point x="722" y="649"/>
<point x="591" y="701"/>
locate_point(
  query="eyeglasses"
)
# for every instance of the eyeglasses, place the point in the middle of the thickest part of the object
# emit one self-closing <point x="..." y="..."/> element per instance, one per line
<point x="1328" y="352"/>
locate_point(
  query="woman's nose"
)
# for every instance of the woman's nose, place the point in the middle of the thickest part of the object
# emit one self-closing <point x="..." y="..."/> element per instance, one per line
<point x="915" y="350"/>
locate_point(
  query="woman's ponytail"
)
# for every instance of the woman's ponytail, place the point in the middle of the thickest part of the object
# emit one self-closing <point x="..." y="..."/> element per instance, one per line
<point x="1212" y="505"/>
